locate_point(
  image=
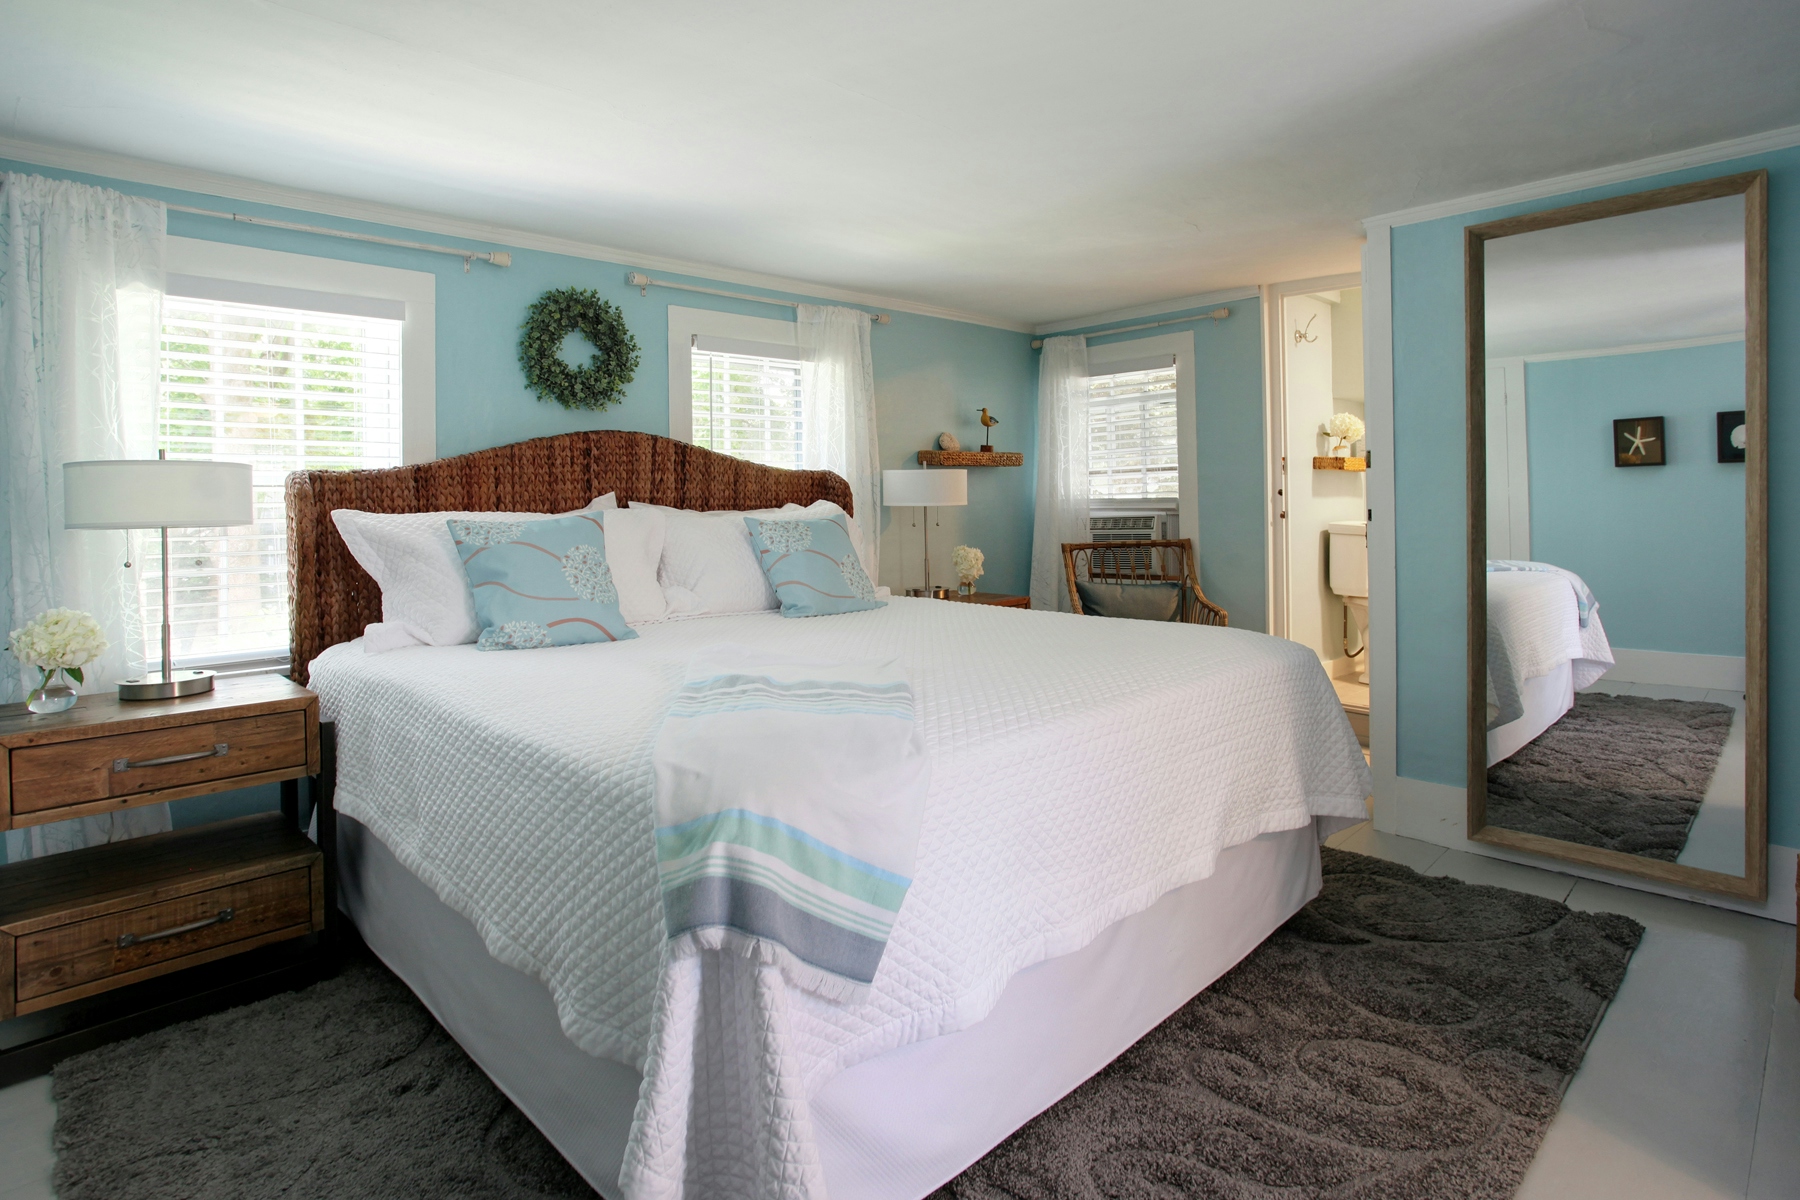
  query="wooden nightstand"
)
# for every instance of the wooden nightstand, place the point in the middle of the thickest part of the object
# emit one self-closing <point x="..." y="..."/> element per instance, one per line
<point x="997" y="599"/>
<point x="86" y="935"/>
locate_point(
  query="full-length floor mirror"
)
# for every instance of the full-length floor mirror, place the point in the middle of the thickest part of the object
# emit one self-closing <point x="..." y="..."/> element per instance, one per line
<point x="1618" y="467"/>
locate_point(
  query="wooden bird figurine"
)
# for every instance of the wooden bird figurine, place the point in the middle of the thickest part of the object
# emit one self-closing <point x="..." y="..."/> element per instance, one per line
<point x="988" y="421"/>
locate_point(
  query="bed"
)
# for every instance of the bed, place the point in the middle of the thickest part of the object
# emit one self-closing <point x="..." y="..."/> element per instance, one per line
<point x="1545" y="643"/>
<point x="1119" y="811"/>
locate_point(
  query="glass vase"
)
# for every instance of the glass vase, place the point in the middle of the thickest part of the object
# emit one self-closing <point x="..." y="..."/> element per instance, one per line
<point x="53" y="694"/>
<point x="966" y="588"/>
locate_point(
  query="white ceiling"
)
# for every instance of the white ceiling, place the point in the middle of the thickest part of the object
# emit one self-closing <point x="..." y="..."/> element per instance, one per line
<point x="1666" y="275"/>
<point x="1023" y="161"/>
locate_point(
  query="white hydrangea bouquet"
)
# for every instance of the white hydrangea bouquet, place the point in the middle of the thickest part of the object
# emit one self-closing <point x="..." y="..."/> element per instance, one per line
<point x="968" y="563"/>
<point x="58" y="643"/>
<point x="1346" y="428"/>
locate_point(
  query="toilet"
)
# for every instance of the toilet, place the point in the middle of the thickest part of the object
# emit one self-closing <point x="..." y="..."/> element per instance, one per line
<point x="1350" y="578"/>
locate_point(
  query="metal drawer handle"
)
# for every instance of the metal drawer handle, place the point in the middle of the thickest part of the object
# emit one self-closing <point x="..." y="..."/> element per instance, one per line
<point x="132" y="939"/>
<point x="219" y="750"/>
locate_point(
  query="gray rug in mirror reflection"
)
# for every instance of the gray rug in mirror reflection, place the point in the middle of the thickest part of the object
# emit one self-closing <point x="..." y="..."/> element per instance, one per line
<point x="1624" y="773"/>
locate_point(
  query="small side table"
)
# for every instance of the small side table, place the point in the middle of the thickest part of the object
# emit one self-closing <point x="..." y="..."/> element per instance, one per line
<point x="997" y="599"/>
<point x="112" y="940"/>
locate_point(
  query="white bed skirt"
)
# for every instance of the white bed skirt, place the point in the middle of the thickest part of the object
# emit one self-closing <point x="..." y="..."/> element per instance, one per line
<point x="899" y="1125"/>
<point x="1546" y="698"/>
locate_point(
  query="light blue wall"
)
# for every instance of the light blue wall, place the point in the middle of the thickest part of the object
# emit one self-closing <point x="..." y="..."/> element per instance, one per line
<point x="1426" y="263"/>
<point x="930" y="374"/>
<point x="1661" y="547"/>
<point x="1228" y="399"/>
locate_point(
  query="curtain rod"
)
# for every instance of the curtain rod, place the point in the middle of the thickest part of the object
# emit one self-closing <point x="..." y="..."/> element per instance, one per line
<point x="499" y="258"/>
<point x="1217" y="314"/>
<point x="643" y="283"/>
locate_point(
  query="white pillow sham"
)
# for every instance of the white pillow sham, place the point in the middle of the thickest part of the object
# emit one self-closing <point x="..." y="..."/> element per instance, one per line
<point x="424" y="593"/>
<point x="634" y="550"/>
<point x="707" y="555"/>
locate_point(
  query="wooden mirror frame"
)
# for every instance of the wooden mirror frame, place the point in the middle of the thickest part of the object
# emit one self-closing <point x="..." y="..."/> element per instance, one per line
<point x="1754" y="188"/>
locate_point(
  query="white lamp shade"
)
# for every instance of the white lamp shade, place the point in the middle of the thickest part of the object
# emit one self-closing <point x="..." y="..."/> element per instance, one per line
<point x="925" y="489"/>
<point x="153" y="493"/>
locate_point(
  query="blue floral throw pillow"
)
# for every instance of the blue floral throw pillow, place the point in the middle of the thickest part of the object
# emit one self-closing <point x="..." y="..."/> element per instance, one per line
<point x="540" y="583"/>
<point x="812" y="566"/>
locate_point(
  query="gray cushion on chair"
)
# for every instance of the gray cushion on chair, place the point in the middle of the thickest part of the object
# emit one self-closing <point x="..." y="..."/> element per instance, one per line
<point x="1140" y="601"/>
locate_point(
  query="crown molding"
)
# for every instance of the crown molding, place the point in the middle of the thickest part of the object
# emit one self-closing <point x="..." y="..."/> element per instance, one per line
<point x="208" y="184"/>
<point x="1154" y="309"/>
<point x="1716" y="339"/>
<point x="1699" y="156"/>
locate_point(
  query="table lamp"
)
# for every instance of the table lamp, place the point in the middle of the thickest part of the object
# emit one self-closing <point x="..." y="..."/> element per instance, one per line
<point x="155" y="493"/>
<point x="925" y="489"/>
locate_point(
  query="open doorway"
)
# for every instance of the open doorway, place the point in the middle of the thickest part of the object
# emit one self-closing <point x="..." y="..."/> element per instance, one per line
<point x="1318" y="552"/>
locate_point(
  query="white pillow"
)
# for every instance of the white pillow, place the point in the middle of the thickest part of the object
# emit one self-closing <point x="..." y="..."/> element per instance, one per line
<point x="825" y="508"/>
<point x="634" y="550"/>
<point x="708" y="555"/>
<point x="412" y="558"/>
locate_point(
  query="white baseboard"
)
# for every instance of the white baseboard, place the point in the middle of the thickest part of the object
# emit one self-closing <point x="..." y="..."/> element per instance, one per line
<point x="1438" y="813"/>
<point x="1717" y="671"/>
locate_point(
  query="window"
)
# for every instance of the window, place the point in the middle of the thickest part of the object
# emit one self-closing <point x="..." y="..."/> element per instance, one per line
<point x="1132" y="447"/>
<point x="748" y="406"/>
<point x="734" y="385"/>
<point x="284" y="389"/>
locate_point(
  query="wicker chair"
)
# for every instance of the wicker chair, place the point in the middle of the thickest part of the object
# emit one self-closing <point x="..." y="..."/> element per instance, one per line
<point x="1152" y="581"/>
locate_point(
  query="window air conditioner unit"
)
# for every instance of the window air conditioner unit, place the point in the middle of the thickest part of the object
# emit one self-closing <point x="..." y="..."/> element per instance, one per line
<point x="1124" y="527"/>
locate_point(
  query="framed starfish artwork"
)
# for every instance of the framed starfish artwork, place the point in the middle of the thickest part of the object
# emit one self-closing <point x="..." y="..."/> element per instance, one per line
<point x="1639" y="442"/>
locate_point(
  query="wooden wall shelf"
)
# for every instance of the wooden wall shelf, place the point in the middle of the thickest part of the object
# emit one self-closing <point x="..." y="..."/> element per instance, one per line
<point x="1340" y="464"/>
<point x="971" y="458"/>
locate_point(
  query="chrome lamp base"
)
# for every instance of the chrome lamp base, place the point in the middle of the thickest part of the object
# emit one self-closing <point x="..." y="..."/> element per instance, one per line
<point x="157" y="685"/>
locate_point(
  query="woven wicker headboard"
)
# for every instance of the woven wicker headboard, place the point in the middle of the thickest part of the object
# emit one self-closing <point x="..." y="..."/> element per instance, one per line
<point x="331" y="598"/>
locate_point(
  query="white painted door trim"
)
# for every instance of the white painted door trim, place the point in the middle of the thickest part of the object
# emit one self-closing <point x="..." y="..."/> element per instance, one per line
<point x="1378" y="437"/>
<point x="1275" y="433"/>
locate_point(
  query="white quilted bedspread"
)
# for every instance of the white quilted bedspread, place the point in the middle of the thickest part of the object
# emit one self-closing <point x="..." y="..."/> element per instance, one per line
<point x="1534" y="627"/>
<point x="1081" y="768"/>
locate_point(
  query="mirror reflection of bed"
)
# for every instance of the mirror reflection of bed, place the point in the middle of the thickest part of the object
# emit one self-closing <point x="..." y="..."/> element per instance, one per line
<point x="1616" y="583"/>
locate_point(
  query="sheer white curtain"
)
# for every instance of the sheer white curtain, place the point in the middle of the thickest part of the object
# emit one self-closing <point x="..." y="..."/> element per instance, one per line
<point x="1061" y="514"/>
<point x="81" y="280"/>
<point x="837" y="393"/>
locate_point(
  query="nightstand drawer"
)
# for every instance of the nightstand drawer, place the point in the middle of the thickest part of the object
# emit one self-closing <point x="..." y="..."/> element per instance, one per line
<point x="123" y="765"/>
<point x="66" y="961"/>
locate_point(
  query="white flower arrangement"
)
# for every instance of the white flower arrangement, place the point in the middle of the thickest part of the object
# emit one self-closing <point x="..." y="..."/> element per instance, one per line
<point x="60" y="640"/>
<point x="1346" y="428"/>
<point x="968" y="562"/>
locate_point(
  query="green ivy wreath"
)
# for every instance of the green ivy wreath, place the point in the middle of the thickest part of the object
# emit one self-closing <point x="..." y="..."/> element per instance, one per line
<point x="600" y="384"/>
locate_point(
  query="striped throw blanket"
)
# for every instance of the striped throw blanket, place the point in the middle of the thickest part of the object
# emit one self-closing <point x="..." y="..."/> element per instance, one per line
<point x="789" y="796"/>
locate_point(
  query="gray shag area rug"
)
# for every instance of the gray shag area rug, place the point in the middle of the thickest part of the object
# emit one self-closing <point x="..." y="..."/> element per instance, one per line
<point x="349" y="1089"/>
<point x="1624" y="773"/>
<point x="1401" y="1037"/>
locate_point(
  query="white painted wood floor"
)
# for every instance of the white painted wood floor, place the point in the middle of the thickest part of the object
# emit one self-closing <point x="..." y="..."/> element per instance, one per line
<point x="1690" y="1090"/>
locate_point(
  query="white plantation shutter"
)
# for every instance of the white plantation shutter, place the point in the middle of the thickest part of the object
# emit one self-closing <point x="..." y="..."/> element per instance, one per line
<point x="748" y="406"/>
<point x="284" y="389"/>
<point x="1132" y="452"/>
